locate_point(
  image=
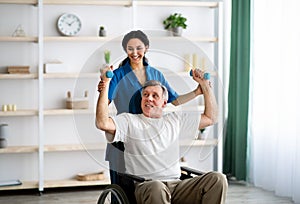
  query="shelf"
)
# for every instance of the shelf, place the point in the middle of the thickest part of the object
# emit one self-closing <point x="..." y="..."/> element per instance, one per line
<point x="19" y="113"/>
<point x="25" y="185"/>
<point x="18" y="149"/>
<point x="206" y="142"/>
<point x="18" y="39"/>
<point x="94" y="146"/>
<point x="171" y="108"/>
<point x="70" y="75"/>
<point x="73" y="183"/>
<point x="204" y="39"/>
<point x="89" y="2"/>
<point x="53" y="112"/>
<point x="116" y="3"/>
<point x="77" y="39"/>
<point x="74" y="147"/>
<point x="105" y="39"/>
<point x="56" y="183"/>
<point x="102" y="146"/>
<point x="31" y="2"/>
<point x="50" y="112"/>
<point x="177" y="3"/>
<point x="181" y="38"/>
<point x="53" y="148"/>
<point x="184" y="73"/>
<point x="19" y="76"/>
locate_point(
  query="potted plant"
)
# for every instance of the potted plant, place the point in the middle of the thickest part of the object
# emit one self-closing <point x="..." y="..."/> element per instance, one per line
<point x="102" y="31"/>
<point x="175" y="22"/>
<point x="107" y="56"/>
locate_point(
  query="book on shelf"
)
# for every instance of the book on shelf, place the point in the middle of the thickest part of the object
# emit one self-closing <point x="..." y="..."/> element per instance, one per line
<point x="18" y="69"/>
<point x="10" y="183"/>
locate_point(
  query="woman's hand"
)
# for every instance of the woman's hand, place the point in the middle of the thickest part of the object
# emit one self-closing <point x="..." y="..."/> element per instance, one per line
<point x="198" y="91"/>
<point x="101" y="85"/>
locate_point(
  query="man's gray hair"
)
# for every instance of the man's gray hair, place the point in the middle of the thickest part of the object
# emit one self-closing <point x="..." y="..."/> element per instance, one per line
<point x="156" y="83"/>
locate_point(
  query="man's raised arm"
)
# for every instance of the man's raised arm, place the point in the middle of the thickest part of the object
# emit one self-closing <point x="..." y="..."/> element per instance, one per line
<point x="103" y="121"/>
<point x="210" y="115"/>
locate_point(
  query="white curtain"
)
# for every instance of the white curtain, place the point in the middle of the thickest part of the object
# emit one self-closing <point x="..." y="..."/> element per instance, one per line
<point x="274" y="119"/>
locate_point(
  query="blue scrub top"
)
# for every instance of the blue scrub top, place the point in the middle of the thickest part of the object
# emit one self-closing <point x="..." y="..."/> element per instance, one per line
<point x="125" y="89"/>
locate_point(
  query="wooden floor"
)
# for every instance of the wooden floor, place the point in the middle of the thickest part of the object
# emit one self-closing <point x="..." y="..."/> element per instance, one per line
<point x="237" y="194"/>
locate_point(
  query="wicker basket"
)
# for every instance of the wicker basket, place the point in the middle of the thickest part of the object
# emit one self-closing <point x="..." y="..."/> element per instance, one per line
<point x="90" y="176"/>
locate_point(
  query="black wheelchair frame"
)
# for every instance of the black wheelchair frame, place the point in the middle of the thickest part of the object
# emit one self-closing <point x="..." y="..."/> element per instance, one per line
<point x="113" y="193"/>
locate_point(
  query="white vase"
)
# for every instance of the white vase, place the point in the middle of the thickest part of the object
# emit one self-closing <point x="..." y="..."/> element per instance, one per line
<point x="3" y="131"/>
<point x="177" y="31"/>
<point x="3" y="143"/>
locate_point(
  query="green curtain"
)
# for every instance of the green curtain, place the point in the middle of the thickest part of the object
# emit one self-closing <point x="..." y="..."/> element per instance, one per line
<point x="235" y="147"/>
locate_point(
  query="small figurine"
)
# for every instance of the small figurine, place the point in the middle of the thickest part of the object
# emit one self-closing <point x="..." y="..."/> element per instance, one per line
<point x="19" y="32"/>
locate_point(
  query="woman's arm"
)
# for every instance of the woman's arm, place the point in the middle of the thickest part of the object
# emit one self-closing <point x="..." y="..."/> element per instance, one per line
<point x="187" y="97"/>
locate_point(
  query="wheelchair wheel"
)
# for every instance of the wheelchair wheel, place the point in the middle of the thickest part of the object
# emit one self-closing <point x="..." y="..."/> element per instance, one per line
<point x="113" y="194"/>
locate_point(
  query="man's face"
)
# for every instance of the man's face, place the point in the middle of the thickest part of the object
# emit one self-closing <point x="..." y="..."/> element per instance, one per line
<point x="153" y="102"/>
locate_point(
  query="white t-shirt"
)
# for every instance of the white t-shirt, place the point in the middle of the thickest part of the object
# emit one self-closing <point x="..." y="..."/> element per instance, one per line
<point x="151" y="144"/>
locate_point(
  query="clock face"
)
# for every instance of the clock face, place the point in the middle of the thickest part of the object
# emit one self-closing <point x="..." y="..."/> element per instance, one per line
<point x="68" y="24"/>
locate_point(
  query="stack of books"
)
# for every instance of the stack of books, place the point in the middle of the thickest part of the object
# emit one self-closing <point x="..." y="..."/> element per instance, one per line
<point x="18" y="69"/>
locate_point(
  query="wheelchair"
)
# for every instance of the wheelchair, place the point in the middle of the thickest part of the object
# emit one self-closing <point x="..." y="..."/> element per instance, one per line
<point x="114" y="194"/>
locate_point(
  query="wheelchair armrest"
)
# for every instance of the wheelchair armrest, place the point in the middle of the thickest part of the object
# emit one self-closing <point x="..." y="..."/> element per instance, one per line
<point x="190" y="171"/>
<point x="134" y="177"/>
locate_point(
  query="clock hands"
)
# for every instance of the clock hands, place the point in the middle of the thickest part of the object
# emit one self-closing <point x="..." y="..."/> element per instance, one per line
<point x="69" y="24"/>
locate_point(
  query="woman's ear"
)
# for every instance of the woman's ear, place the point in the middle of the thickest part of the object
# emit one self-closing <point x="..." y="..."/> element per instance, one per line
<point x="146" y="48"/>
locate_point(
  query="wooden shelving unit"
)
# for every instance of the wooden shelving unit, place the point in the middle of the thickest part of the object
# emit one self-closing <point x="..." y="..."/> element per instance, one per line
<point x="42" y="113"/>
<point x="84" y="147"/>
<point x="127" y="3"/>
<point x="18" y="39"/>
<point x="74" y="182"/>
<point x="19" y="113"/>
<point x="19" y="149"/>
<point x="31" y="2"/>
<point x="18" y="76"/>
<point x="199" y="143"/>
<point x="55" y="112"/>
<point x="96" y="75"/>
<point x="183" y="108"/>
<point x="70" y="75"/>
<point x="25" y="185"/>
<point x="193" y="39"/>
<point x="88" y="2"/>
<point x="77" y="39"/>
<point x="105" y="39"/>
<point x="74" y="147"/>
<point x="56" y="184"/>
<point x="178" y="3"/>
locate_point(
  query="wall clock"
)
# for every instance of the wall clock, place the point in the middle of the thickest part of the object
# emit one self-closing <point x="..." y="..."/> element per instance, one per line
<point x="68" y="24"/>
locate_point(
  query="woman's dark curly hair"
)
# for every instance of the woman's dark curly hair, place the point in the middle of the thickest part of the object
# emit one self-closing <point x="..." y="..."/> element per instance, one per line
<point x="135" y="34"/>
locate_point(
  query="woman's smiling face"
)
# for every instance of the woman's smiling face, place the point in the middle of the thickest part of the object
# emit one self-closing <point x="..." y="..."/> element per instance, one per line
<point x="136" y="50"/>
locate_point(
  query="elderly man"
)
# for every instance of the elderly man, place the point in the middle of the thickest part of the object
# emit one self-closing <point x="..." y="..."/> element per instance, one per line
<point x="152" y="147"/>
